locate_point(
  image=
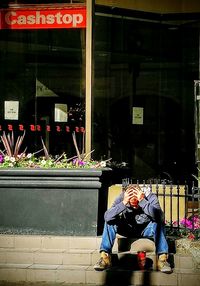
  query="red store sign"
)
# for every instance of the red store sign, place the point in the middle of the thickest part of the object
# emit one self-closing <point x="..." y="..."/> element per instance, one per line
<point x="36" y="17"/>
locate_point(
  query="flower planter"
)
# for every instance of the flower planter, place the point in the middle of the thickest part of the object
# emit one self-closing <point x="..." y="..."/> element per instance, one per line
<point x="53" y="201"/>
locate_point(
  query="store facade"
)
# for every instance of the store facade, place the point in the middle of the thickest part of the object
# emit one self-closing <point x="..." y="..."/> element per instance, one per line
<point x="120" y="75"/>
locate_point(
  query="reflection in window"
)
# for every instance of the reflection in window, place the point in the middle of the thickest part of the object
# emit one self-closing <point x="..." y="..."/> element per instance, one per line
<point x="149" y="64"/>
<point x="41" y="68"/>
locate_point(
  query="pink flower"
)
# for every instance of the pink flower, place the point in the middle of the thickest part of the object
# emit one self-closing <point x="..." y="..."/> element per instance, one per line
<point x="175" y="223"/>
<point x="191" y="236"/>
<point x="191" y="223"/>
<point x="1" y="158"/>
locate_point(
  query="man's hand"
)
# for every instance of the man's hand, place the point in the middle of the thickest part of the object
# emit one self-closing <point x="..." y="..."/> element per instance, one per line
<point x="128" y="194"/>
<point x="132" y="193"/>
<point x="138" y="193"/>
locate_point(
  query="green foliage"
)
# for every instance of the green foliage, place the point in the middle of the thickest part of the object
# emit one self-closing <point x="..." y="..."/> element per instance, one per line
<point x="12" y="157"/>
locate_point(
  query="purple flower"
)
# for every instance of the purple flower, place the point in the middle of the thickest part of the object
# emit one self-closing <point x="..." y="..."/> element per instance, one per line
<point x="81" y="163"/>
<point x="74" y="161"/>
<point x="1" y="159"/>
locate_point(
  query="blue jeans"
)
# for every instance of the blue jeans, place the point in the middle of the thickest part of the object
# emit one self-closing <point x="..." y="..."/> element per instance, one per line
<point x="151" y="230"/>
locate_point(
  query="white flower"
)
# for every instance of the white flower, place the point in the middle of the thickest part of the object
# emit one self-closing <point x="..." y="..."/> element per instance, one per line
<point x="10" y="165"/>
<point x="12" y="159"/>
<point x="7" y="158"/>
<point x="29" y="155"/>
<point x="43" y="162"/>
<point x="22" y="155"/>
<point x="103" y="164"/>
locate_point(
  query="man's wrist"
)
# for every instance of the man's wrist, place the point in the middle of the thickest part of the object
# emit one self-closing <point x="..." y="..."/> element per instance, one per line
<point x="125" y="203"/>
<point x="141" y="198"/>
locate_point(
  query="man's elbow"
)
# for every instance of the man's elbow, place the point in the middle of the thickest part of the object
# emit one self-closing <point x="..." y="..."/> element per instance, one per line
<point x="106" y="217"/>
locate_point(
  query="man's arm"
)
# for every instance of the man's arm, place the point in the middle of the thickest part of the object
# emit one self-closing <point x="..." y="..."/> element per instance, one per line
<point x="119" y="205"/>
<point x="148" y="201"/>
<point x="151" y="207"/>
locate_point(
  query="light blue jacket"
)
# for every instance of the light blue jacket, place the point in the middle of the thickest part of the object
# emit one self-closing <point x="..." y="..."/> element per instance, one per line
<point x="149" y="210"/>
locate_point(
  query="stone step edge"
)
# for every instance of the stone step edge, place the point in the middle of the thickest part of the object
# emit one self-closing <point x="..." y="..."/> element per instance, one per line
<point x="60" y="250"/>
<point x="60" y="267"/>
<point x="81" y="251"/>
<point x="47" y="241"/>
<point x="48" y="250"/>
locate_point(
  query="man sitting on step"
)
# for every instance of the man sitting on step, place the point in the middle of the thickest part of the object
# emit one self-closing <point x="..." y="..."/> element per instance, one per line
<point x="136" y="212"/>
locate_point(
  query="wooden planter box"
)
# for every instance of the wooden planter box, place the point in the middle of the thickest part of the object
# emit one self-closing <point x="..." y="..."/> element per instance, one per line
<point x="53" y="201"/>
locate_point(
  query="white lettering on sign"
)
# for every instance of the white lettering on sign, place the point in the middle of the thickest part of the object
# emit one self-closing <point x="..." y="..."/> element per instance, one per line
<point x="43" y="17"/>
<point x="13" y="18"/>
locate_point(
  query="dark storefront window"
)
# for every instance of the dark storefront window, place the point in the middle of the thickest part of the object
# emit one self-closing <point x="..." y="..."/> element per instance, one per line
<point x="149" y="62"/>
<point x="42" y="71"/>
<point x="143" y="62"/>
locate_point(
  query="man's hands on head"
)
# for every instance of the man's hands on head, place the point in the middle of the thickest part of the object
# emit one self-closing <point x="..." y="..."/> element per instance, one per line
<point x="128" y="194"/>
<point x="132" y="193"/>
<point x="138" y="193"/>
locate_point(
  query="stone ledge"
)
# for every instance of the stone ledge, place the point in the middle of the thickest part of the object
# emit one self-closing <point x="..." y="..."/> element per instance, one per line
<point x="189" y="247"/>
<point x="83" y="275"/>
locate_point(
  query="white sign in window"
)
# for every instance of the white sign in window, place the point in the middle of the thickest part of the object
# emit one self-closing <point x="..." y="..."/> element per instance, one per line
<point x="60" y="112"/>
<point x="11" y="110"/>
<point x="138" y="115"/>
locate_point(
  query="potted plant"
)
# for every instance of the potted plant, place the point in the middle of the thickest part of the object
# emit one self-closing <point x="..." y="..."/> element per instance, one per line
<point x="48" y="195"/>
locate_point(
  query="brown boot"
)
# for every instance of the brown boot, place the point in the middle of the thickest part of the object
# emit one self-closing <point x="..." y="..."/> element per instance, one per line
<point x="162" y="264"/>
<point x="104" y="262"/>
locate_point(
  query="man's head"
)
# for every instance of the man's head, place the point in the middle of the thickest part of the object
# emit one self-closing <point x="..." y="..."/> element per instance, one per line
<point x="133" y="195"/>
<point x="134" y="202"/>
<point x="133" y="188"/>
